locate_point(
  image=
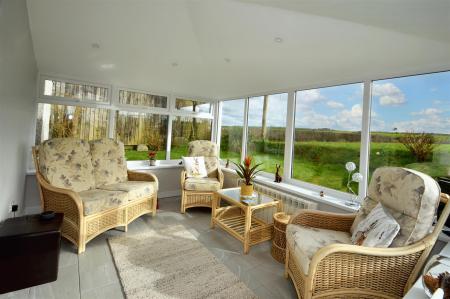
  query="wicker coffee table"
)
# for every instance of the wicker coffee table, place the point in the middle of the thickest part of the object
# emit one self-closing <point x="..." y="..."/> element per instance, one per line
<point x="278" y="251"/>
<point x="238" y="220"/>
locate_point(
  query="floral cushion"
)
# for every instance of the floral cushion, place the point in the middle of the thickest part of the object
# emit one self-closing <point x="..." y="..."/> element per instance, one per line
<point x="201" y="184"/>
<point x="195" y="167"/>
<point x="108" y="159"/>
<point x="378" y="229"/>
<point x="135" y="189"/>
<point x="208" y="150"/>
<point x="409" y="196"/>
<point x="98" y="200"/>
<point x="66" y="163"/>
<point x="306" y="241"/>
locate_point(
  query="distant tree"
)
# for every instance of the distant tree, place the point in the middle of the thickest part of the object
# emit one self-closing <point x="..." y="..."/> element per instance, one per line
<point x="421" y="145"/>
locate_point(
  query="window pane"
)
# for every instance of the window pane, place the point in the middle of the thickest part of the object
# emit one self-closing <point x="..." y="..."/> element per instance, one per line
<point x="55" y="121"/>
<point x="193" y="105"/>
<point x="69" y="90"/>
<point x="186" y="129"/>
<point x="231" y="129"/>
<point x="410" y="123"/>
<point x="266" y="130"/>
<point x="133" y="129"/>
<point x="327" y="134"/>
<point x="142" y="99"/>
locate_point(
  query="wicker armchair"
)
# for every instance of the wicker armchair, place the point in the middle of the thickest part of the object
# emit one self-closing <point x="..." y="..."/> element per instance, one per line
<point x="199" y="192"/>
<point x="89" y="211"/>
<point x="350" y="271"/>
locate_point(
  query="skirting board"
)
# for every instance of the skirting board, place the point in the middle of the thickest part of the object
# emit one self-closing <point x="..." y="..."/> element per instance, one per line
<point x="164" y="194"/>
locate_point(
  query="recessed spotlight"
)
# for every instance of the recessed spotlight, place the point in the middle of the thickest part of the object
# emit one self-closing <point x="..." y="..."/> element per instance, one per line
<point x="278" y="40"/>
<point x="227" y="60"/>
<point x="95" y="46"/>
<point x="174" y="64"/>
<point x="107" y="66"/>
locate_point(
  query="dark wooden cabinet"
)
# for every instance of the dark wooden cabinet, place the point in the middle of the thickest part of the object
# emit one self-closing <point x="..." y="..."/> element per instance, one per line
<point x="29" y="251"/>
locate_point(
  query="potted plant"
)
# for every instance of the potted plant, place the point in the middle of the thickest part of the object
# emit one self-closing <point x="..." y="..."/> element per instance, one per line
<point x="152" y="157"/>
<point x="246" y="172"/>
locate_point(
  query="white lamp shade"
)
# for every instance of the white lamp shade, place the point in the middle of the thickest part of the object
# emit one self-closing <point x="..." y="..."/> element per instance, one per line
<point x="350" y="166"/>
<point x="357" y="177"/>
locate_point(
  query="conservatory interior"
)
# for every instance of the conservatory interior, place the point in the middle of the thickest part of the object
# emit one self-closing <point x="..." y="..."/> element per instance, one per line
<point x="225" y="149"/>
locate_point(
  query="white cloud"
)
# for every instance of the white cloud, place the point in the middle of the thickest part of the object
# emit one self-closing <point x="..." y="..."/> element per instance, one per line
<point x="310" y="96"/>
<point x="427" y="112"/>
<point x="437" y="124"/>
<point x="335" y="105"/>
<point x="389" y="94"/>
<point x="346" y="119"/>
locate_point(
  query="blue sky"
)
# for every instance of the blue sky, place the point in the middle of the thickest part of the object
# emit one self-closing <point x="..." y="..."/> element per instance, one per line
<point x="417" y="103"/>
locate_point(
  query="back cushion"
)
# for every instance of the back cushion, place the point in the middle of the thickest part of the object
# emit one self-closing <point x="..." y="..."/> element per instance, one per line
<point x="66" y="163"/>
<point x="409" y="196"/>
<point x="208" y="150"/>
<point x="108" y="159"/>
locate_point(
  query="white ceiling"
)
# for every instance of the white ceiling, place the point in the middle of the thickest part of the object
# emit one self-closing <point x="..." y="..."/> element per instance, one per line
<point x="323" y="41"/>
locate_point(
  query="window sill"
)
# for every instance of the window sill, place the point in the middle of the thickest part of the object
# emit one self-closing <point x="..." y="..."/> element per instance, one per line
<point x="140" y="165"/>
<point x="302" y="192"/>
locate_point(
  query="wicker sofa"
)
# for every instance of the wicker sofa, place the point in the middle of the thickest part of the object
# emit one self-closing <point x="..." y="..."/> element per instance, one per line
<point x="323" y="263"/>
<point x="199" y="192"/>
<point x="89" y="183"/>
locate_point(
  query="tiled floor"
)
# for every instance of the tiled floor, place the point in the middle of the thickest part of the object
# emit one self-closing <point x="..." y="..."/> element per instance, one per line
<point x="93" y="275"/>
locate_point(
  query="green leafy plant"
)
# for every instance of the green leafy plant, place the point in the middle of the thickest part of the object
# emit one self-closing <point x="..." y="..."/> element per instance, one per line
<point x="245" y="171"/>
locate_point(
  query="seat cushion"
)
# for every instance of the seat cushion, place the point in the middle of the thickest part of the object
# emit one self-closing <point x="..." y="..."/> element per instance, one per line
<point x="134" y="189"/>
<point x="306" y="241"/>
<point x="108" y="160"/>
<point x="66" y="163"/>
<point x="411" y="197"/>
<point x="98" y="200"/>
<point x="201" y="184"/>
<point x="207" y="150"/>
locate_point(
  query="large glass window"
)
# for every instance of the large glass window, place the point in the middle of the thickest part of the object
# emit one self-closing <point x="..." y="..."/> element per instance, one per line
<point x="84" y="92"/>
<point x="141" y="132"/>
<point x="232" y="123"/>
<point x="266" y="130"/>
<point x="186" y="129"/>
<point x="327" y="134"/>
<point x="142" y="99"/>
<point x="58" y="121"/>
<point x="410" y="123"/>
<point x="193" y="105"/>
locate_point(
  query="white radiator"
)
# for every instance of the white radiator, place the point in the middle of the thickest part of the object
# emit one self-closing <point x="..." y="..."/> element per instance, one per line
<point x="290" y="204"/>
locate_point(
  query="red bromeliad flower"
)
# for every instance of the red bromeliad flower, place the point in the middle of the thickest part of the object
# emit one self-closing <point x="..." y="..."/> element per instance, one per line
<point x="248" y="161"/>
<point x="245" y="171"/>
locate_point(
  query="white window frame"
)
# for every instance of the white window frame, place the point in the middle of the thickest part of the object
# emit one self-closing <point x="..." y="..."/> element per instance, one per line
<point x="42" y="96"/>
<point x="113" y="105"/>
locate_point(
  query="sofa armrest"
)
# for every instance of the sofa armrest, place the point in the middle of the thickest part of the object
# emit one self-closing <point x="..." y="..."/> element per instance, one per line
<point x="182" y="178"/>
<point x="60" y="200"/>
<point x="143" y="176"/>
<point x="220" y="177"/>
<point x="325" y="220"/>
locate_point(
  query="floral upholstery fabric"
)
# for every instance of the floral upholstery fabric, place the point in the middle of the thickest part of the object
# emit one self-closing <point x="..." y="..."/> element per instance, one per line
<point x="108" y="159"/>
<point x="201" y="184"/>
<point x="306" y="241"/>
<point x="134" y="189"/>
<point x="66" y="163"/>
<point x="208" y="150"/>
<point x="409" y="196"/>
<point x="98" y="200"/>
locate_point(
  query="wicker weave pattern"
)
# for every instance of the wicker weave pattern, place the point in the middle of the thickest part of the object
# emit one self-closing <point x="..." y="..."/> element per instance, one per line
<point x="350" y="271"/>
<point x="80" y="229"/>
<point x="191" y="199"/>
<point x="317" y="219"/>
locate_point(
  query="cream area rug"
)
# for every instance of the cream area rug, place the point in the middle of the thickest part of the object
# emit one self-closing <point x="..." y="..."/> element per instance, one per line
<point x="172" y="263"/>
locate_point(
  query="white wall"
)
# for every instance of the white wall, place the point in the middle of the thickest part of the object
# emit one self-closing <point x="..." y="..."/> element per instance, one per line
<point x="17" y="90"/>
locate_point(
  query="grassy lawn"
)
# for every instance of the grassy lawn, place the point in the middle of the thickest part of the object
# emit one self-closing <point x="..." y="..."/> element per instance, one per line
<point x="323" y="163"/>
